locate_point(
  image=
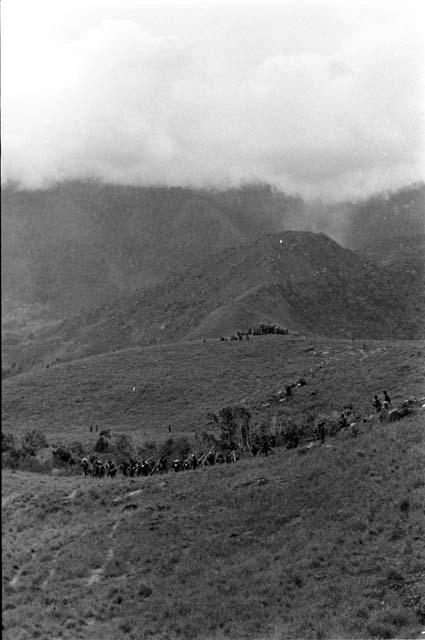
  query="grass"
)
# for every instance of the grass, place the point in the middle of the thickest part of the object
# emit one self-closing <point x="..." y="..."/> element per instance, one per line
<point x="179" y="384"/>
<point x="307" y="552"/>
<point x="328" y="544"/>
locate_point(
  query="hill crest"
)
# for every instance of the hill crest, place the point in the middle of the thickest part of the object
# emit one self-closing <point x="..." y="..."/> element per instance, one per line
<point x="301" y="280"/>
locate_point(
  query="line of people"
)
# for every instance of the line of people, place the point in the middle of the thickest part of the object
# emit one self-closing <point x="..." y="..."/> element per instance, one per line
<point x="260" y="444"/>
<point x="97" y="468"/>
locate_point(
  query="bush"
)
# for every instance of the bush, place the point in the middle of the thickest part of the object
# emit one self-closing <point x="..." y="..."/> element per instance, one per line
<point x="149" y="450"/>
<point x="123" y="446"/>
<point x="62" y="456"/>
<point x="388" y="623"/>
<point x="178" y="448"/>
<point x="76" y="449"/>
<point x="234" y="425"/>
<point x="33" y="441"/>
<point x="11" y="459"/>
<point x="102" y="445"/>
<point x="7" y="441"/>
<point x="144" y="591"/>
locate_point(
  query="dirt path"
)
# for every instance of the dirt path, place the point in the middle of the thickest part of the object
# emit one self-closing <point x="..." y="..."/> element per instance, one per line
<point x="96" y="574"/>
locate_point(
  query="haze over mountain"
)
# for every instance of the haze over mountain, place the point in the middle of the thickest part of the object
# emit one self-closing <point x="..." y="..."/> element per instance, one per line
<point x="78" y="244"/>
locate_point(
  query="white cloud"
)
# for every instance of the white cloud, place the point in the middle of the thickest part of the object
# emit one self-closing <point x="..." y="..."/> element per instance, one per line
<point x="304" y="95"/>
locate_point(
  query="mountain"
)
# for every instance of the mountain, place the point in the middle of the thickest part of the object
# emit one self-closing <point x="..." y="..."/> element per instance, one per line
<point x="387" y="219"/>
<point x="304" y="281"/>
<point x="74" y="246"/>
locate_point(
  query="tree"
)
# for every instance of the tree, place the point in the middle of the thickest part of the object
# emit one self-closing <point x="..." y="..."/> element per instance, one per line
<point x="234" y="424"/>
<point x="123" y="445"/>
<point x="7" y="441"/>
<point x="33" y="441"/>
<point x="102" y="445"/>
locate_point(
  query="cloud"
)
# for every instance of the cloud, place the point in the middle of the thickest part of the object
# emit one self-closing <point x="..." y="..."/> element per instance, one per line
<point x="214" y="98"/>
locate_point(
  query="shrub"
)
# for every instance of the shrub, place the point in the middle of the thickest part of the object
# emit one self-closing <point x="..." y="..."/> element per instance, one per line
<point x="144" y="591"/>
<point x="7" y="441"/>
<point x="387" y="623"/>
<point x="76" y="448"/>
<point x="234" y="425"/>
<point x="404" y="505"/>
<point x="123" y="446"/>
<point x="102" y="445"/>
<point x="11" y="458"/>
<point x="33" y="441"/>
<point x="148" y="450"/>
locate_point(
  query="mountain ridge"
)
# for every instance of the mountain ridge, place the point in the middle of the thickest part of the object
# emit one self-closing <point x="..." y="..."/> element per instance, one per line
<point x="300" y="279"/>
<point x="78" y="244"/>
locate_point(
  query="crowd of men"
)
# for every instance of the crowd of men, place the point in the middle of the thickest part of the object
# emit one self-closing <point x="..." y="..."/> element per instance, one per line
<point x="98" y="468"/>
<point x="261" y="444"/>
<point x="260" y="330"/>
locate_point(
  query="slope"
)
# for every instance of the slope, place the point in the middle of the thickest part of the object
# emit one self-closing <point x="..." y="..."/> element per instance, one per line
<point x="302" y="279"/>
<point x="141" y="391"/>
<point x="329" y="545"/>
<point x="74" y="245"/>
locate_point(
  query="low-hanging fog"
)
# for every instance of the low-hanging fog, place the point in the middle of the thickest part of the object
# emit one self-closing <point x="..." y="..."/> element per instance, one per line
<point x="320" y="98"/>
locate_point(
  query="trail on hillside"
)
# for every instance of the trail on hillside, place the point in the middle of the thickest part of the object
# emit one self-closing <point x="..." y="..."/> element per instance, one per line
<point x="96" y="574"/>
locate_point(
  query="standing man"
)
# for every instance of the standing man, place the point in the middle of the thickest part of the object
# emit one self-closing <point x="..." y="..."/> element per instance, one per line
<point x="321" y="431"/>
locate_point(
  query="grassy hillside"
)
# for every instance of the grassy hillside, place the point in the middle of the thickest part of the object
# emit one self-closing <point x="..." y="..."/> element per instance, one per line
<point x="179" y="384"/>
<point x="301" y="280"/>
<point x="324" y="545"/>
<point x="318" y="543"/>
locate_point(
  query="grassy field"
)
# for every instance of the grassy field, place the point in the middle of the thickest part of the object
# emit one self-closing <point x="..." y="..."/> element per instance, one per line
<point x="179" y="384"/>
<point x="328" y="544"/>
<point x="322" y="544"/>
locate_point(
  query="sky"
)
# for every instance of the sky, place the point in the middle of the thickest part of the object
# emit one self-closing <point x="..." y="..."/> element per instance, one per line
<point x="321" y="98"/>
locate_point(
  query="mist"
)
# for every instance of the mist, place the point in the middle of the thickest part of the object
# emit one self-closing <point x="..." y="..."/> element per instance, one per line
<point x="320" y="98"/>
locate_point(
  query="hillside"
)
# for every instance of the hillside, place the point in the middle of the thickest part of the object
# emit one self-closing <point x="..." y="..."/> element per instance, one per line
<point x="301" y="280"/>
<point x="141" y="391"/>
<point x="372" y="223"/>
<point x="274" y="548"/>
<point x="75" y="245"/>
<point x="387" y="217"/>
<point x="327" y="543"/>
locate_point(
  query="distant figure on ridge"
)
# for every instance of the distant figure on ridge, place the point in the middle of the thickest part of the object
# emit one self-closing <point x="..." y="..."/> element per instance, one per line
<point x="377" y="404"/>
<point x="321" y="431"/>
<point x="385" y="407"/>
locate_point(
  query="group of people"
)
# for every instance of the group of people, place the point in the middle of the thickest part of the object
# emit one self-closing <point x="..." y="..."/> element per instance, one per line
<point x="382" y="407"/>
<point x="97" y="468"/>
<point x="261" y="444"/>
<point x="261" y="330"/>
